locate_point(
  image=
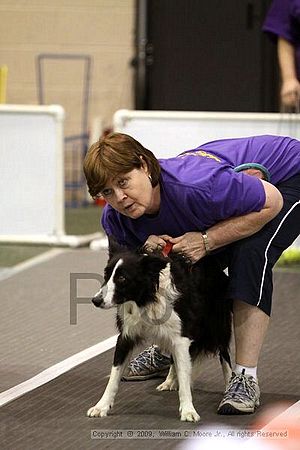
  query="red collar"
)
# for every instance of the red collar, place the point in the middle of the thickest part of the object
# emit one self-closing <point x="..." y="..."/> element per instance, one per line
<point x="167" y="249"/>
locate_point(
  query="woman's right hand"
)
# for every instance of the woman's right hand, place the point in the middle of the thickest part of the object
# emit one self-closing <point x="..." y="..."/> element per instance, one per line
<point x="290" y="93"/>
<point x="156" y="243"/>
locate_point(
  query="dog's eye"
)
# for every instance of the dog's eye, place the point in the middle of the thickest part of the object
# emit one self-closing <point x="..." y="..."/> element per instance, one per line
<point x="121" y="279"/>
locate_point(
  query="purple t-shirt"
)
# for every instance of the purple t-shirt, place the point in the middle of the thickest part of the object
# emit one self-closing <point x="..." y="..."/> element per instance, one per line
<point x="283" y="19"/>
<point x="200" y="187"/>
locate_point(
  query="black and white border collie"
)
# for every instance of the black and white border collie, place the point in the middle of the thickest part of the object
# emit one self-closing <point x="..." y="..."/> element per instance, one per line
<point x="179" y="306"/>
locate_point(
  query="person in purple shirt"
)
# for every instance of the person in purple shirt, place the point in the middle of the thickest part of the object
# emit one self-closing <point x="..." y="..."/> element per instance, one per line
<point x="209" y="199"/>
<point x="282" y="23"/>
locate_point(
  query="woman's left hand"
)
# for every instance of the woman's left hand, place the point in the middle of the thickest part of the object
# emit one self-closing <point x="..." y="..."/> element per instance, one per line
<point x="156" y="243"/>
<point x="190" y="244"/>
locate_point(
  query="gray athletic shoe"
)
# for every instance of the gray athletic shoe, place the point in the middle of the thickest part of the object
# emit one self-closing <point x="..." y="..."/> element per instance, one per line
<point x="151" y="363"/>
<point x="241" y="396"/>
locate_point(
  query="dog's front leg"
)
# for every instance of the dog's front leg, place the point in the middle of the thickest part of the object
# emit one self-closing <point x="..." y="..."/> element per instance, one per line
<point x="183" y="365"/>
<point x="122" y="354"/>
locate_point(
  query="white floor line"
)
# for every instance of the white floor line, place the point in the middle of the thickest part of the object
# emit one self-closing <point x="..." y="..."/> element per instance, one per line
<point x="64" y="366"/>
<point x="55" y="371"/>
<point x="46" y="256"/>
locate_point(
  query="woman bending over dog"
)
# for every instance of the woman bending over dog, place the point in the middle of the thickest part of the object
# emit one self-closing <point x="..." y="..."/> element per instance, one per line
<point x="238" y="198"/>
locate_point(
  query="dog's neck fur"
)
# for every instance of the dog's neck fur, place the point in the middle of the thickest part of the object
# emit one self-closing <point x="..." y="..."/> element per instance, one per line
<point x="156" y="320"/>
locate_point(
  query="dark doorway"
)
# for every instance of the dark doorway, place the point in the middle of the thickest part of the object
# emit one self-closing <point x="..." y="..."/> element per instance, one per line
<point x="200" y="55"/>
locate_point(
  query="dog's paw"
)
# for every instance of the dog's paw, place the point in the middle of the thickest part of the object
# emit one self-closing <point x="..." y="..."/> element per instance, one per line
<point x="189" y="415"/>
<point x="98" y="411"/>
<point x="168" y="385"/>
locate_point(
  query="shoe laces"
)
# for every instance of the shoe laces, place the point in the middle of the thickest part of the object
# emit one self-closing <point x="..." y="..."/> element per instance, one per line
<point x="241" y="387"/>
<point x="149" y="358"/>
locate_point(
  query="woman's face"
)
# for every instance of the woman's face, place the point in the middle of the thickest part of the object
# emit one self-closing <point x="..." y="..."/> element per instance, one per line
<point x="132" y="193"/>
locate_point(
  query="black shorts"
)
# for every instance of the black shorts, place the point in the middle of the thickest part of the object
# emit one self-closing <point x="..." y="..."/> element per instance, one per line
<point x="250" y="261"/>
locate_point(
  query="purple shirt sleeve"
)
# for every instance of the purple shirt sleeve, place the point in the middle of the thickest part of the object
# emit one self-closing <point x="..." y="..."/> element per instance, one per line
<point x="112" y="226"/>
<point x="236" y="194"/>
<point x="283" y="20"/>
<point x="104" y="222"/>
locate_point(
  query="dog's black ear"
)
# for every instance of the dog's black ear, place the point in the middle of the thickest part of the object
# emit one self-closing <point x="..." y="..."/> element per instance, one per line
<point x="153" y="264"/>
<point x="114" y="246"/>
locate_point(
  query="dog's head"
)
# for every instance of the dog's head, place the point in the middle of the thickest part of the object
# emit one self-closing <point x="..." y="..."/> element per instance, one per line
<point x="129" y="276"/>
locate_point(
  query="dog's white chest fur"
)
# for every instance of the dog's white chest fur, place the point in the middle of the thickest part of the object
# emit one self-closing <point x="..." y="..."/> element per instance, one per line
<point x="157" y="321"/>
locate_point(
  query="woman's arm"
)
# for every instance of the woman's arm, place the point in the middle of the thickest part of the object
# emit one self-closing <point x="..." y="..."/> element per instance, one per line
<point x="290" y="89"/>
<point x="236" y="228"/>
<point x="232" y="229"/>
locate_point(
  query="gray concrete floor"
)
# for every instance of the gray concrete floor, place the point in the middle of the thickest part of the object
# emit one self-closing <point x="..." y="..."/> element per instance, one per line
<point x="35" y="318"/>
<point x="36" y="333"/>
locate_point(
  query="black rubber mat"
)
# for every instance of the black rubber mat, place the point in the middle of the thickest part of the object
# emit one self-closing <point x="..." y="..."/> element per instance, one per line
<point x="54" y="415"/>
